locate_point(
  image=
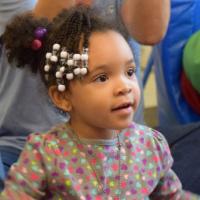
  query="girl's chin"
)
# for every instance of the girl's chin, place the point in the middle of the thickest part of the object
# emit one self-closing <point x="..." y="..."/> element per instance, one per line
<point x="123" y="125"/>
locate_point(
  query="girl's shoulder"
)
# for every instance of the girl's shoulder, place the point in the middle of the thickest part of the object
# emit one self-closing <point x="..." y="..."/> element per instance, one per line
<point x="150" y="142"/>
<point x="144" y="133"/>
<point x="50" y="137"/>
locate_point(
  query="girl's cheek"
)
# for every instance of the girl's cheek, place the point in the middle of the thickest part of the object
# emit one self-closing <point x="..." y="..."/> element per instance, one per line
<point x="137" y="95"/>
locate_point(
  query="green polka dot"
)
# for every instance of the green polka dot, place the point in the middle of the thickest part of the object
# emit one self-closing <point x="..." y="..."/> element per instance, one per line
<point x="66" y="173"/>
<point x="68" y="183"/>
<point x="94" y="192"/>
<point x="74" y="151"/>
<point x="98" y="166"/>
<point x="82" y="160"/>
<point x="148" y="153"/>
<point x="137" y="176"/>
<point x="111" y="184"/>
<point x="138" y="185"/>
<point x="35" y="168"/>
<point x="71" y="143"/>
<point x="130" y="161"/>
<point x="117" y="192"/>
<point x="94" y="182"/>
<point x="29" y="147"/>
<point x="35" y="185"/>
<point x="150" y="166"/>
<point x="19" y="176"/>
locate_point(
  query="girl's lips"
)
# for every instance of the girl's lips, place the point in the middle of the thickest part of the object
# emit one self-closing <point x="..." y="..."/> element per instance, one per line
<point x="124" y="110"/>
<point x="123" y="106"/>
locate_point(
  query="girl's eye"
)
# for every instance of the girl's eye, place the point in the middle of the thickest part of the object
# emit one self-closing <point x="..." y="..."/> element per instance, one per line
<point x="131" y="71"/>
<point x="101" y="78"/>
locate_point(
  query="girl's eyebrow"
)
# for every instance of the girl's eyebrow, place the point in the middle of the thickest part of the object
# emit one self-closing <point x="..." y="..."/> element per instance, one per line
<point x="131" y="61"/>
<point x="99" y="68"/>
<point x="104" y="67"/>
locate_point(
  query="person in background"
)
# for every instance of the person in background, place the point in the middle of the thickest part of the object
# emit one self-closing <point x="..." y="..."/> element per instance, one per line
<point x="15" y="84"/>
<point x="19" y="89"/>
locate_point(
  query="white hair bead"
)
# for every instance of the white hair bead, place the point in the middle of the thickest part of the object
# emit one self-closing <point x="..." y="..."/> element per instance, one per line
<point x="56" y="46"/>
<point x="62" y="69"/>
<point x="83" y="71"/>
<point x="76" y="56"/>
<point x="63" y="54"/>
<point x="68" y="65"/>
<point x="46" y="68"/>
<point x="61" y="88"/>
<point x="70" y="62"/>
<point x="77" y="71"/>
<point x="54" y="58"/>
<point x="48" y="55"/>
<point x="59" y="74"/>
<point x="69" y="76"/>
<point x="84" y="57"/>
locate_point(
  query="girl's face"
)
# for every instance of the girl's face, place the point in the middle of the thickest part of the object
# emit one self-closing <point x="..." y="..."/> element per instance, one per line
<point x="108" y="96"/>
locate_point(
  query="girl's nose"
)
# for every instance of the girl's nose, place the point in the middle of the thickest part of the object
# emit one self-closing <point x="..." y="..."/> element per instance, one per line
<point x="123" y="87"/>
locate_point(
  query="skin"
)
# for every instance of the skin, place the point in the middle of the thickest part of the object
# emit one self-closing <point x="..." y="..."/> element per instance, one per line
<point x="146" y="20"/>
<point x="49" y="8"/>
<point x="111" y="76"/>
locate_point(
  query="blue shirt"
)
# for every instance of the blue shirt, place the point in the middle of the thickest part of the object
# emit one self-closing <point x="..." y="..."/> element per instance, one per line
<point x="24" y="104"/>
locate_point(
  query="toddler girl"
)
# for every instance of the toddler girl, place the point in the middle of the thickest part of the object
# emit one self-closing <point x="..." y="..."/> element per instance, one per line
<point x="99" y="154"/>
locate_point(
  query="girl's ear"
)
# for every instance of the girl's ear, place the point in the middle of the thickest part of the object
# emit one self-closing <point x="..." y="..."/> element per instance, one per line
<point x="60" y="99"/>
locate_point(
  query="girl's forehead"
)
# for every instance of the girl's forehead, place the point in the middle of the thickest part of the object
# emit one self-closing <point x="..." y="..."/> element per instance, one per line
<point x="108" y="47"/>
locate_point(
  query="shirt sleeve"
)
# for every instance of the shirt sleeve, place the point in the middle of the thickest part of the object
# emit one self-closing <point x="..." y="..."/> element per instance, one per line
<point x="169" y="186"/>
<point x="26" y="178"/>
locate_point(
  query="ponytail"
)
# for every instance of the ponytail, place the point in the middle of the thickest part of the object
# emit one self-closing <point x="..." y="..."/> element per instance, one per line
<point x="24" y="42"/>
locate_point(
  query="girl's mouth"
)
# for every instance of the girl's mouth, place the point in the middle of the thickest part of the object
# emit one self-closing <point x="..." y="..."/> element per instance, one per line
<point x="122" y="106"/>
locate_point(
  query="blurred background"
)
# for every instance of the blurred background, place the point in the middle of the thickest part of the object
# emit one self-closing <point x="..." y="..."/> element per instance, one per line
<point x="150" y="99"/>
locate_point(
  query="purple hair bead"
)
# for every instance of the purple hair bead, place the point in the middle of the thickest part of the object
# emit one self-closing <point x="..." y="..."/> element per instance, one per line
<point x="40" y="32"/>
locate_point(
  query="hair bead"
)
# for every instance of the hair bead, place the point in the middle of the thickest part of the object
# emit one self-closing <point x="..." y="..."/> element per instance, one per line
<point x="48" y="55"/>
<point x="84" y="57"/>
<point x="36" y="44"/>
<point x="59" y="74"/>
<point x="76" y="57"/>
<point x="83" y="71"/>
<point x="40" y="32"/>
<point x="56" y="46"/>
<point x="69" y="76"/>
<point x="62" y="69"/>
<point x="46" y="68"/>
<point x="66" y="65"/>
<point x="77" y="71"/>
<point x="61" y="88"/>
<point x="70" y="62"/>
<point x="54" y="58"/>
<point x="63" y="54"/>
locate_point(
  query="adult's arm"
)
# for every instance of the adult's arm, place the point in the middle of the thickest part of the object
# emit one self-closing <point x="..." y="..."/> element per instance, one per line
<point x="49" y="8"/>
<point x="146" y="20"/>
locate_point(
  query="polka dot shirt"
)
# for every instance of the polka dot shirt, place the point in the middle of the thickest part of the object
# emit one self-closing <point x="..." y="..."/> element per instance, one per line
<point x="57" y="166"/>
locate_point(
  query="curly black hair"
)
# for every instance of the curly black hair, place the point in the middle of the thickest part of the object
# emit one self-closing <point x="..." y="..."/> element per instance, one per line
<point x="68" y="29"/>
<point x="18" y="37"/>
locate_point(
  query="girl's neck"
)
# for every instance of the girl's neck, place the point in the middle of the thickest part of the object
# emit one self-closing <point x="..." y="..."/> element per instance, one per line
<point x="88" y="132"/>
